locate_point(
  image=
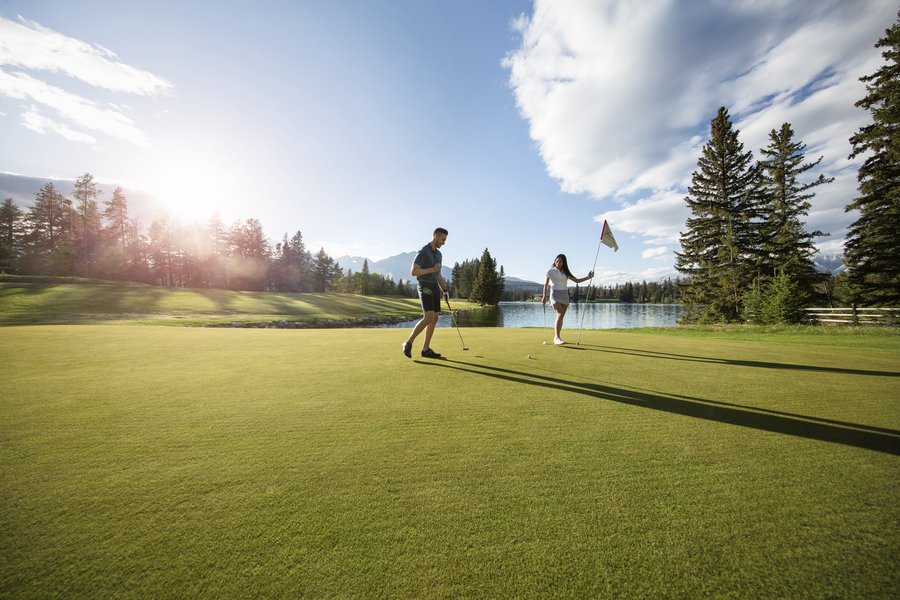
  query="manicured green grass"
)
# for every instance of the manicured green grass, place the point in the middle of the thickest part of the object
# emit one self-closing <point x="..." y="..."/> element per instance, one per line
<point x="55" y="301"/>
<point x="187" y="462"/>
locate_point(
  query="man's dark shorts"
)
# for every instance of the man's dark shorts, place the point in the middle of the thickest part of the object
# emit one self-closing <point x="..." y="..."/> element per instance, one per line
<point x="430" y="295"/>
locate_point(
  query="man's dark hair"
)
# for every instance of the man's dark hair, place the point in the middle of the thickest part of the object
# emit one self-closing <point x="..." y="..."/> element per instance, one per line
<point x="441" y="230"/>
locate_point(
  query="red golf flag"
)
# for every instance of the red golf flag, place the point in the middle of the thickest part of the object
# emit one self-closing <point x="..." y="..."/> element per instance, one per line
<point x="606" y="236"/>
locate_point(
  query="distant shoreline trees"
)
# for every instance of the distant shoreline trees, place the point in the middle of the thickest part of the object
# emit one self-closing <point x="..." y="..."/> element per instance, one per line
<point x="59" y="236"/>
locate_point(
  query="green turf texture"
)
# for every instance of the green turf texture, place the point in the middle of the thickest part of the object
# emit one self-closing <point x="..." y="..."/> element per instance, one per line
<point x="28" y="300"/>
<point x="222" y="463"/>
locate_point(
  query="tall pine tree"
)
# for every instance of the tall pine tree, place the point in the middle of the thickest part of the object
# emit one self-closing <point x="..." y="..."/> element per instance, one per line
<point x="488" y="285"/>
<point x="786" y="245"/>
<point x="51" y="246"/>
<point x="114" y="256"/>
<point x="325" y="271"/>
<point x="11" y="219"/>
<point x="873" y="241"/>
<point x="722" y="235"/>
<point x="86" y="194"/>
<point x="115" y="214"/>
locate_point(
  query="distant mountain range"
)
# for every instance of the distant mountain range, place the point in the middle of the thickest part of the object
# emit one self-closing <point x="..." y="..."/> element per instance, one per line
<point x="830" y="263"/>
<point x="398" y="268"/>
<point x="514" y="284"/>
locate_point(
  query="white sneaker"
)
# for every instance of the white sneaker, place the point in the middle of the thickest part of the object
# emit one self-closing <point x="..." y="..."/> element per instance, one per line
<point x="558" y="342"/>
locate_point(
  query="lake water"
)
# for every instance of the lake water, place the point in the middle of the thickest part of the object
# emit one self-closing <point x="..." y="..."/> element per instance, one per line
<point x="595" y="316"/>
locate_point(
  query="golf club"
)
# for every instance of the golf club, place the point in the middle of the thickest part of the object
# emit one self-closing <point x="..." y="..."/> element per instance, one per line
<point x="545" y="324"/>
<point x="452" y="316"/>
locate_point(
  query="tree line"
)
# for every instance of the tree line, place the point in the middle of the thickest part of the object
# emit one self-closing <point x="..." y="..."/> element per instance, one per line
<point x="640" y="292"/>
<point x="745" y="252"/>
<point x="478" y="280"/>
<point x="77" y="236"/>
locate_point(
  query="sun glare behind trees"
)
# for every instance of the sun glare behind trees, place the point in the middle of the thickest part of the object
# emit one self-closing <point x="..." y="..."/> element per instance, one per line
<point x="193" y="185"/>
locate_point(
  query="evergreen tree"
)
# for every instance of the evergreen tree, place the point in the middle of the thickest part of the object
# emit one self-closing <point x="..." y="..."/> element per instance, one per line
<point x="163" y="251"/>
<point x="722" y="234"/>
<point x="46" y="218"/>
<point x="115" y="214"/>
<point x="873" y="241"/>
<point x="11" y="222"/>
<point x="325" y="272"/>
<point x="488" y="285"/>
<point x="114" y="252"/>
<point x="364" y="287"/>
<point x="300" y="263"/>
<point x="86" y="195"/>
<point x="138" y="254"/>
<point x="215" y="263"/>
<point x="787" y="247"/>
<point x="463" y="278"/>
<point x="249" y="257"/>
<point x="291" y="265"/>
<point x="51" y="234"/>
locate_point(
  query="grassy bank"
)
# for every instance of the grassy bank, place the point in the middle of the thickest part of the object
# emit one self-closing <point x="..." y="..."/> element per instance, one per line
<point x="185" y="462"/>
<point x="60" y="301"/>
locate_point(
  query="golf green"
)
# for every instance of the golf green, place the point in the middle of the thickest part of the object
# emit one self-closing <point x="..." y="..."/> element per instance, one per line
<point x="140" y="461"/>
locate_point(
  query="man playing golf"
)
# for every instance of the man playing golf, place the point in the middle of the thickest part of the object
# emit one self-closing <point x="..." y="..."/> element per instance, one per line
<point x="431" y="286"/>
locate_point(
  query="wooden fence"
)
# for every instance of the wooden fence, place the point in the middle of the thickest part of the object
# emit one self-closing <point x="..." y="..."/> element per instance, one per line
<point x="854" y="315"/>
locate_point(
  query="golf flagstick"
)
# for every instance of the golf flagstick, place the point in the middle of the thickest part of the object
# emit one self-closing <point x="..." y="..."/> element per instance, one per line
<point x="607" y="238"/>
<point x="588" y="299"/>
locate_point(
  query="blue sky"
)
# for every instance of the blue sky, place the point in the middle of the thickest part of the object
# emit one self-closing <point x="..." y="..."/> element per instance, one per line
<point x="517" y="125"/>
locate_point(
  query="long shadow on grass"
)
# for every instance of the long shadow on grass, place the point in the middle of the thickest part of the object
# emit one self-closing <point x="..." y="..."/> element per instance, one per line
<point x="729" y="361"/>
<point x="871" y="428"/>
<point x="860" y="436"/>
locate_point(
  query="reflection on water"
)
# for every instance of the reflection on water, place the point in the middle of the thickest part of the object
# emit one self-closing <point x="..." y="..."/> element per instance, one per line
<point x="594" y="316"/>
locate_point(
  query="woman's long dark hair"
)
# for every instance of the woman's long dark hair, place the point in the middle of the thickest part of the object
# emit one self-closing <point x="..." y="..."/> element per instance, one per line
<point x="565" y="265"/>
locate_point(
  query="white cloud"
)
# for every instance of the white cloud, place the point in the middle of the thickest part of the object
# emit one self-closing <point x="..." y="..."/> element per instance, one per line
<point x="660" y="217"/>
<point x="26" y="45"/>
<point x="70" y="106"/>
<point x="35" y="121"/>
<point x="29" y="45"/>
<point x="658" y="253"/>
<point x="619" y="95"/>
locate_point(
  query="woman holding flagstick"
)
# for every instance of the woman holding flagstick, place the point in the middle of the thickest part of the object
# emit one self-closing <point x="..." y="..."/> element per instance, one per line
<point x="556" y="288"/>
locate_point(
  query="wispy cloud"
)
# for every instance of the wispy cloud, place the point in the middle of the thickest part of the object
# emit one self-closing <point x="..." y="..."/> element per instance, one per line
<point x="28" y="46"/>
<point x="77" y="109"/>
<point x="34" y="120"/>
<point x="618" y="96"/>
<point x="658" y="253"/>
